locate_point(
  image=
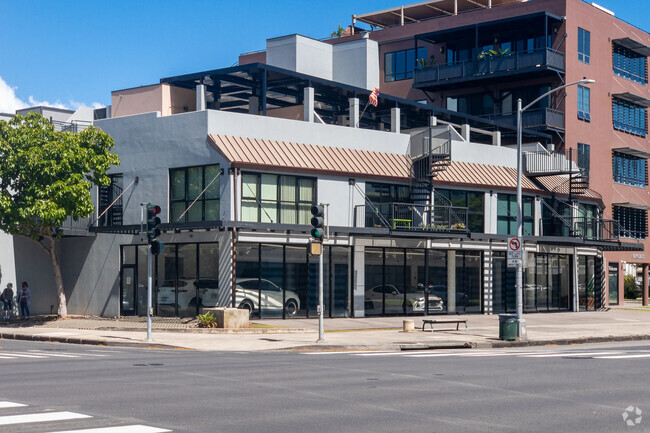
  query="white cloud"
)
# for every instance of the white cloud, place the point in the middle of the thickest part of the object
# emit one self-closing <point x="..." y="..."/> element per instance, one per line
<point x="9" y="102"/>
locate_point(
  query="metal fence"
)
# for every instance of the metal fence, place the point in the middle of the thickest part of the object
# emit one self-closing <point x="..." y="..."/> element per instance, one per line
<point x="515" y="61"/>
<point x="412" y="217"/>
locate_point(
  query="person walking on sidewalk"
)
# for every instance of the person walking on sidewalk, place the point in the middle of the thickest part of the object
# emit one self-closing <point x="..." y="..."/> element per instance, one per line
<point x="24" y="299"/>
<point x="7" y="298"/>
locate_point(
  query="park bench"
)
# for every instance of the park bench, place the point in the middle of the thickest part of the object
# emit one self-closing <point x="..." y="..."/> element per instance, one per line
<point x="432" y="322"/>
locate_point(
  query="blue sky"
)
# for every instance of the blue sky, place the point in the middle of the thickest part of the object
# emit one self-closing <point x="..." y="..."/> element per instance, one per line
<point x="73" y="52"/>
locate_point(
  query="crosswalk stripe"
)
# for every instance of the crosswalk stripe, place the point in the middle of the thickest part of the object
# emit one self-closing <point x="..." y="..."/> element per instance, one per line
<point x="9" y="404"/>
<point x="40" y="417"/>
<point x="120" y="429"/>
<point x="22" y="355"/>
<point x="55" y="355"/>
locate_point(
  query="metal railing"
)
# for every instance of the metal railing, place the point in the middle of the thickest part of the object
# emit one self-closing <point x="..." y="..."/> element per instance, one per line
<point x="472" y="69"/>
<point x="541" y="117"/>
<point x="74" y="126"/>
<point x="539" y="163"/>
<point x="80" y="224"/>
<point x="412" y="217"/>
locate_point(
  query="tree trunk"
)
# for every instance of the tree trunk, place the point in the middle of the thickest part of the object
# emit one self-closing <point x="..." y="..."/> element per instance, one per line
<point x="58" y="279"/>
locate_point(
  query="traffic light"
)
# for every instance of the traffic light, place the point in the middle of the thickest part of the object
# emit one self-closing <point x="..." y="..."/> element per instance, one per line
<point x="153" y="223"/>
<point x="317" y="222"/>
<point x="157" y="247"/>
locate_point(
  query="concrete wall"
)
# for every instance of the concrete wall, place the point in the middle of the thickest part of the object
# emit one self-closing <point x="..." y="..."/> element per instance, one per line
<point x="149" y="145"/>
<point x="483" y="154"/>
<point x="222" y="122"/>
<point x="355" y="63"/>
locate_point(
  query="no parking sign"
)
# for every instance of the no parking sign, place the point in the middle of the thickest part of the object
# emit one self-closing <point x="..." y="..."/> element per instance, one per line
<point x="515" y="252"/>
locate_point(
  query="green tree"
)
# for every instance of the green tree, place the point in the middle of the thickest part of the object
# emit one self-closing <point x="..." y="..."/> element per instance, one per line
<point x="46" y="176"/>
<point x="338" y="32"/>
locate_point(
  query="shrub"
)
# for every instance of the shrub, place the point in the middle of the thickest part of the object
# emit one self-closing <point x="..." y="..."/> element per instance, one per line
<point x="207" y="320"/>
<point x="630" y="288"/>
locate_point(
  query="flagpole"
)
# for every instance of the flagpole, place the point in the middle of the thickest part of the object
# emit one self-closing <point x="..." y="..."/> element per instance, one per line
<point x="362" y="113"/>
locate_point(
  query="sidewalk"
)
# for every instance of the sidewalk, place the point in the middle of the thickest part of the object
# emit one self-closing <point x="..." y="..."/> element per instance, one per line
<point x="340" y="334"/>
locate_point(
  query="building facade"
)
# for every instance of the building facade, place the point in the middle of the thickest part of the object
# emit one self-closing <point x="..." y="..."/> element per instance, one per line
<point x="419" y="190"/>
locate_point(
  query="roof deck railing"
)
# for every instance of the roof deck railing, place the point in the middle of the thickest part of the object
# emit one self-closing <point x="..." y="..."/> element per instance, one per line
<point x="520" y="61"/>
<point x="544" y="163"/>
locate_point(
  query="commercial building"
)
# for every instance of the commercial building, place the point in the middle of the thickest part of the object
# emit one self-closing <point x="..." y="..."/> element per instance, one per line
<point x="420" y="190"/>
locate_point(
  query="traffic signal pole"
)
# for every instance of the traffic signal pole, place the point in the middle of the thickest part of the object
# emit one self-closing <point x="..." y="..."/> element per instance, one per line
<point x="150" y="221"/>
<point x="317" y="235"/>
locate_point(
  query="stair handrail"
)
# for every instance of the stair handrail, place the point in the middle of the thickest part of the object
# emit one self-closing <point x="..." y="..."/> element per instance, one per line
<point x="372" y="206"/>
<point x="135" y="181"/>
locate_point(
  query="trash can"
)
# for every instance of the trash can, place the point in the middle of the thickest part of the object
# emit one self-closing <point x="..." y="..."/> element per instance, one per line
<point x="508" y="327"/>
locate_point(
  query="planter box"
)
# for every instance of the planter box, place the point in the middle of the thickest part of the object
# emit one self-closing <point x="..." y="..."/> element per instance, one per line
<point x="232" y="318"/>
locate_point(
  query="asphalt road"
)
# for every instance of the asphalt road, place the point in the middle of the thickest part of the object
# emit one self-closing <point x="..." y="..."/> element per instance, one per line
<point x="553" y="389"/>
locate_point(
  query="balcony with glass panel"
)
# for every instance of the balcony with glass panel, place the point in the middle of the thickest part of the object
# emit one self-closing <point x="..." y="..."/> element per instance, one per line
<point x="494" y="51"/>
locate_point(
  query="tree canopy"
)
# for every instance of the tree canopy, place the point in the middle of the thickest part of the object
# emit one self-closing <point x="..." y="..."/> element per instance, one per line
<point x="46" y="176"/>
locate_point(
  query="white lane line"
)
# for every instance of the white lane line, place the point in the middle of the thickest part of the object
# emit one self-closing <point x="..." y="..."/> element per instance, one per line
<point x="121" y="429"/>
<point x="646" y="355"/>
<point x="553" y="355"/>
<point x="7" y="357"/>
<point x="8" y="404"/>
<point x="40" y="417"/>
<point x="22" y="355"/>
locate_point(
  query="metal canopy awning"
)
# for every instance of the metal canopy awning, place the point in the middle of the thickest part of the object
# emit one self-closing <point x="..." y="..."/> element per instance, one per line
<point x="231" y="89"/>
<point x="634" y="152"/>
<point x="640" y="206"/>
<point x="633" y="98"/>
<point x="633" y="45"/>
<point x="501" y="25"/>
<point x="426" y="10"/>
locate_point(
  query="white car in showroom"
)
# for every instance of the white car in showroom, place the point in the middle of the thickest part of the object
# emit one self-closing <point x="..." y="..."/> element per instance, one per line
<point x="188" y="296"/>
<point x="248" y="294"/>
<point x="394" y="300"/>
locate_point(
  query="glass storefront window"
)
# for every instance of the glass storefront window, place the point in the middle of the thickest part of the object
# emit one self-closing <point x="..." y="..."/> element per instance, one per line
<point x="272" y="283"/>
<point x="247" y="278"/>
<point x="504" y="294"/>
<point x="469" y="281"/>
<point x="374" y="278"/>
<point x="341" y="264"/>
<point x="437" y="279"/>
<point x="393" y="288"/>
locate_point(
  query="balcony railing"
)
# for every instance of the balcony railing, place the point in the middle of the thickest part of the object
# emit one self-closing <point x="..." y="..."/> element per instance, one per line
<point x="588" y="228"/>
<point x="543" y="118"/>
<point x="543" y="163"/>
<point x="412" y="217"/>
<point x="74" y="126"/>
<point x="542" y="59"/>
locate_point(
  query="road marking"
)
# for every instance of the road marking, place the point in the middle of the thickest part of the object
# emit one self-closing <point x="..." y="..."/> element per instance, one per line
<point x="553" y="355"/>
<point x="79" y="354"/>
<point x="22" y="355"/>
<point x="40" y="417"/>
<point x="120" y="429"/>
<point x="9" y="404"/>
<point x="646" y="355"/>
<point x="56" y="355"/>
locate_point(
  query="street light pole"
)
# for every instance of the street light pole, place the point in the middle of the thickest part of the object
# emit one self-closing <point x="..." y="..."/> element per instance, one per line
<point x="520" y="272"/>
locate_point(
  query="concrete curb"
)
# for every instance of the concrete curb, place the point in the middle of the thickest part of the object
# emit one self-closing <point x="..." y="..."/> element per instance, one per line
<point x="562" y="341"/>
<point x="88" y="341"/>
<point x="211" y="330"/>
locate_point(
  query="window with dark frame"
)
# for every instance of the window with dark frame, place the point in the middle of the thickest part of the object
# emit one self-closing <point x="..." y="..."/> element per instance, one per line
<point x="634" y="222"/>
<point x="187" y="184"/>
<point x="399" y="65"/>
<point x="584" y="104"/>
<point x="629" y="169"/>
<point x="629" y="118"/>
<point x="629" y="64"/>
<point x="507" y="215"/>
<point x="584" y="158"/>
<point x="584" y="45"/>
<point x="275" y="198"/>
<point x="473" y="201"/>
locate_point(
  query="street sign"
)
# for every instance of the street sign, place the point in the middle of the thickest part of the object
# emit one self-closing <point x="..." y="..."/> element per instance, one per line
<point x="515" y="252"/>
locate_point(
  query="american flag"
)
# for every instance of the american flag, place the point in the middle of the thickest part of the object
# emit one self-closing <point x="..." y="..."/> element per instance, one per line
<point x="373" y="98"/>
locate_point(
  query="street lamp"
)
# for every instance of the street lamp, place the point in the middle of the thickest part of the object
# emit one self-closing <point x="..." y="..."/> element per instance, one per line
<point x="519" y="282"/>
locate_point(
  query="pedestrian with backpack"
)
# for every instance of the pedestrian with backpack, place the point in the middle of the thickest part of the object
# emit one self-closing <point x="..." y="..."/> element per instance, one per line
<point x="24" y="299"/>
<point x="7" y="299"/>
